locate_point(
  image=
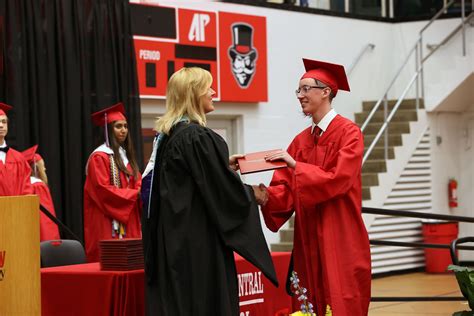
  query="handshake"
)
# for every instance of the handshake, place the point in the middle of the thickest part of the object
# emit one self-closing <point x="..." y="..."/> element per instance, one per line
<point x="260" y="191"/>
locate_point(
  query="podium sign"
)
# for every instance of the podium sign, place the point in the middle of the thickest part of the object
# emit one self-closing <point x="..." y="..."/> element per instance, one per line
<point x="19" y="256"/>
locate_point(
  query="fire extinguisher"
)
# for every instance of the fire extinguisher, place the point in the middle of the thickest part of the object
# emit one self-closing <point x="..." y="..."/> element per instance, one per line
<point x="452" y="193"/>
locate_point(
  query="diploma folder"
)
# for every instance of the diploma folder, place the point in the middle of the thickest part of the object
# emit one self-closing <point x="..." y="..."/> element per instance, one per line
<point x="255" y="162"/>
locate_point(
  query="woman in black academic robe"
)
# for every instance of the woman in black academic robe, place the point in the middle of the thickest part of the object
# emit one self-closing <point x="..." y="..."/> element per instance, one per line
<point x="199" y="212"/>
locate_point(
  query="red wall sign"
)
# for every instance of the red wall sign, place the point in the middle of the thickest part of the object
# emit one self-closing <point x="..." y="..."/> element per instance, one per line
<point x="231" y="46"/>
<point x="243" y="57"/>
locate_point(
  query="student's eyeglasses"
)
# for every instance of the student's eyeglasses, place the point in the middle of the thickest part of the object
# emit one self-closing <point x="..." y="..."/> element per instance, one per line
<point x="305" y="89"/>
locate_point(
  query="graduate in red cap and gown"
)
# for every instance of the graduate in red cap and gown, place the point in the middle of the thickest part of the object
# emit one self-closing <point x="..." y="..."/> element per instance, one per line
<point x="39" y="181"/>
<point x="112" y="207"/>
<point x="14" y="170"/>
<point x="322" y="188"/>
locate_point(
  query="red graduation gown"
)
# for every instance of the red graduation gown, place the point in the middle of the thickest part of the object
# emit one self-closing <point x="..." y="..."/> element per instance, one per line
<point x="15" y="175"/>
<point x="104" y="202"/>
<point x="331" y="248"/>
<point x="48" y="229"/>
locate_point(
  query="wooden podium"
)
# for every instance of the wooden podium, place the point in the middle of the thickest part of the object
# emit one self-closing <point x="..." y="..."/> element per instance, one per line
<point x="20" y="290"/>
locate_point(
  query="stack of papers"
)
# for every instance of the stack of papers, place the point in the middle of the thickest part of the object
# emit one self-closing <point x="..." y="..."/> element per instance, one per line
<point x="121" y="254"/>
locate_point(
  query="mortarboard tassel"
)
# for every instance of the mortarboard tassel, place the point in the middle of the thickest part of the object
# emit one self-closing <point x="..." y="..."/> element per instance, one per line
<point x="106" y="131"/>
<point x="34" y="167"/>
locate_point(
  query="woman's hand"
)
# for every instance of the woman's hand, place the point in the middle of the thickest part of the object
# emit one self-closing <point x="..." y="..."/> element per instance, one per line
<point x="281" y="155"/>
<point x="233" y="161"/>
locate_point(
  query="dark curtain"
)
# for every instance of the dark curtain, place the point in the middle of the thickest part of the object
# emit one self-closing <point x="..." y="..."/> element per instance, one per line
<point x="61" y="61"/>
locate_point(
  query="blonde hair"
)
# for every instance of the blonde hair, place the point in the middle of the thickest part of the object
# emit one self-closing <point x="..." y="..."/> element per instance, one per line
<point x="183" y="98"/>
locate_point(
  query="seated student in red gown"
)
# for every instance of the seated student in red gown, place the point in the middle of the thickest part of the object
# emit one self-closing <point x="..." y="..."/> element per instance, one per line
<point x="322" y="188"/>
<point x="112" y="207"/>
<point x="39" y="181"/>
<point x="14" y="170"/>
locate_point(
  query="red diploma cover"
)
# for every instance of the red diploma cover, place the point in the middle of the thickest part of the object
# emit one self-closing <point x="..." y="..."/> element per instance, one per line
<point x="255" y="162"/>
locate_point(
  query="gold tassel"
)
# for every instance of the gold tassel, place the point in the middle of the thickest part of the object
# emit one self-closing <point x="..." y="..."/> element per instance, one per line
<point x="122" y="231"/>
<point x="328" y="310"/>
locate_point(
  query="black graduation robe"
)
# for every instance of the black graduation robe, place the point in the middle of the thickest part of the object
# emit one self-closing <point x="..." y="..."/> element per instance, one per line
<point x="200" y="213"/>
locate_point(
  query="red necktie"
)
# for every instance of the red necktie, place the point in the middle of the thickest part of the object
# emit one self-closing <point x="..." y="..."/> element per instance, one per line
<point x="316" y="134"/>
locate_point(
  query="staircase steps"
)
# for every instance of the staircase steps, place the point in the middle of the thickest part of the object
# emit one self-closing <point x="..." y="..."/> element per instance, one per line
<point x="376" y="165"/>
<point x="379" y="153"/>
<point x="282" y="246"/>
<point x="408" y="104"/>
<point x="365" y="193"/>
<point x="287" y="234"/>
<point x="394" y="127"/>
<point x="400" y="116"/>
<point x="286" y="238"/>
<point x="370" y="179"/>
<point x="400" y="124"/>
<point x="393" y="140"/>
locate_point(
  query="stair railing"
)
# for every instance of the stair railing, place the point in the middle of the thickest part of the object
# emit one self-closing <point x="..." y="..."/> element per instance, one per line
<point x="365" y="49"/>
<point x="417" y="50"/>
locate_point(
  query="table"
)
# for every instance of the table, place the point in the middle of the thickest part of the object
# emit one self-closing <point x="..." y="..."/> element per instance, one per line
<point x="85" y="290"/>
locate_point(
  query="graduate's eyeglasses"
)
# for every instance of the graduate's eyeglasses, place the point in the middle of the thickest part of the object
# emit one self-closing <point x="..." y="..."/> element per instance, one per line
<point x="305" y="89"/>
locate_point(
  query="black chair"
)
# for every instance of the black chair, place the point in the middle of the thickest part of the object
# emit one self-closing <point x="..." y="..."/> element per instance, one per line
<point x="61" y="252"/>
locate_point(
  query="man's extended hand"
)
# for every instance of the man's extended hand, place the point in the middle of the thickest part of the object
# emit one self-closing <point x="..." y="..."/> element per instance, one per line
<point x="281" y="155"/>
<point x="261" y="193"/>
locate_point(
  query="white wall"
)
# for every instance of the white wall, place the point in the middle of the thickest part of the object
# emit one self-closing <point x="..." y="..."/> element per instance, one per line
<point x="454" y="158"/>
<point x="294" y="35"/>
<point x="445" y="126"/>
<point x="466" y="180"/>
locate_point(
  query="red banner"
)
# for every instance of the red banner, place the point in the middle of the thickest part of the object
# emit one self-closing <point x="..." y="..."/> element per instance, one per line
<point x="243" y="57"/>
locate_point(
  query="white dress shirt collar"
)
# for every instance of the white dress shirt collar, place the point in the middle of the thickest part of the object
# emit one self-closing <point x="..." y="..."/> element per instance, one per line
<point x="325" y="121"/>
<point x="3" y="155"/>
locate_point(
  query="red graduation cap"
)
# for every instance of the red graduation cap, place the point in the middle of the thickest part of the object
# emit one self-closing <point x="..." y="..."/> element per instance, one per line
<point x="4" y="108"/>
<point x="333" y="75"/>
<point x="108" y="115"/>
<point x="30" y="154"/>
